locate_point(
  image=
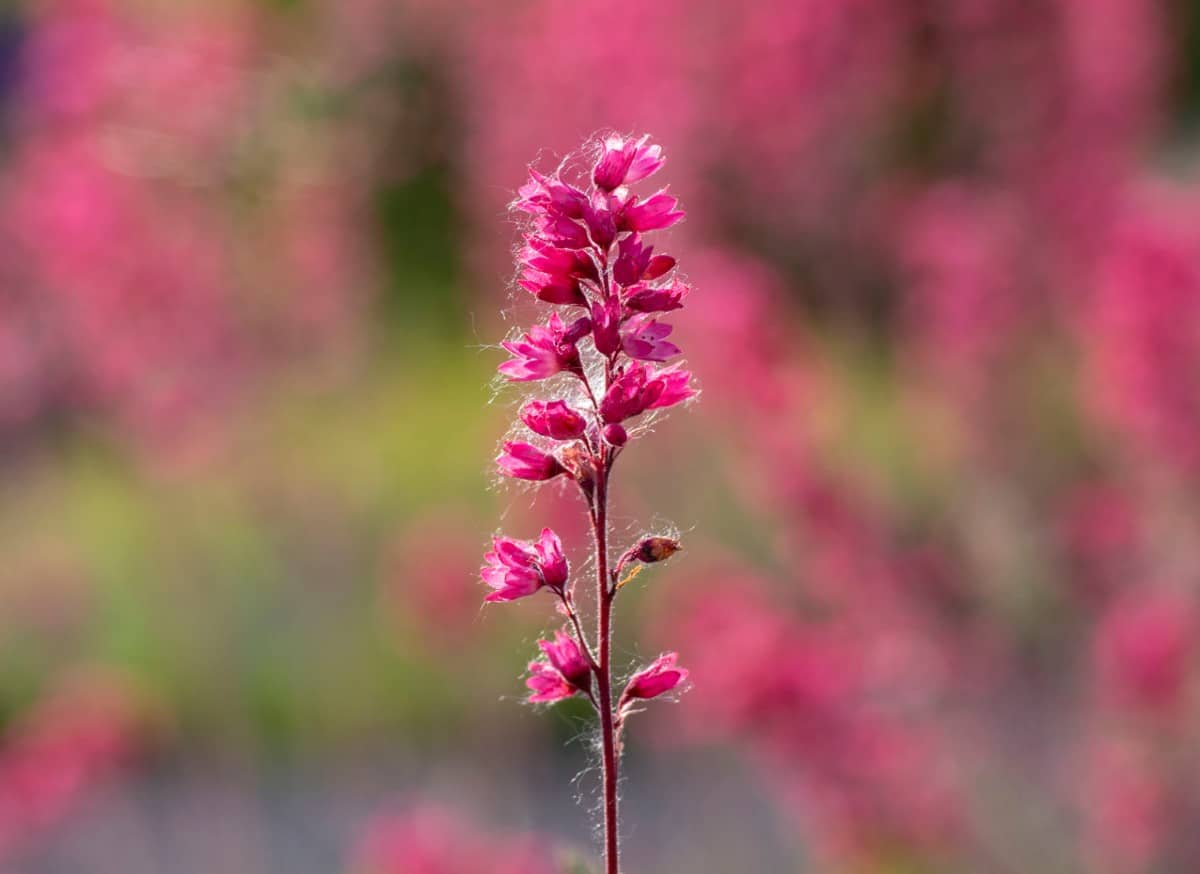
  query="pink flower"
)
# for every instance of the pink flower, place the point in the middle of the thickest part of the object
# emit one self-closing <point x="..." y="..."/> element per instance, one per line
<point x="659" y="677"/>
<point x="649" y="299"/>
<point x="636" y="262"/>
<point x="670" y="386"/>
<point x="602" y="222"/>
<point x="606" y="325"/>
<point x="1145" y="647"/>
<point x="517" y="568"/>
<point x="526" y="461"/>
<point x="623" y="162"/>
<point x="554" y="274"/>
<point x="547" y="685"/>
<point x="562" y="231"/>
<point x="544" y="195"/>
<point x="565" y="671"/>
<point x="546" y="350"/>
<point x="553" y="419"/>
<point x="637" y="389"/>
<point x="655" y="212"/>
<point x="644" y="337"/>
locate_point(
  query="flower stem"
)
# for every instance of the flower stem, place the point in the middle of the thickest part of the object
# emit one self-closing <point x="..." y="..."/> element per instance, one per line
<point x="604" y="599"/>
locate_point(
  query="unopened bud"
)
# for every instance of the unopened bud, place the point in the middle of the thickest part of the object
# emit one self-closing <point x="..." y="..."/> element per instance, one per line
<point x="654" y="549"/>
<point x="615" y="435"/>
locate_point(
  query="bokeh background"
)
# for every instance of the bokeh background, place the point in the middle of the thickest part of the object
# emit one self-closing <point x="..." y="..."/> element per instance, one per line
<point x="941" y="593"/>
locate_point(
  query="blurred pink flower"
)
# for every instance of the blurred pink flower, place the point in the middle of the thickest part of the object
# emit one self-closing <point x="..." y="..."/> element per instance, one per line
<point x="1143" y="334"/>
<point x="430" y="840"/>
<point x="71" y="740"/>
<point x="146" y="304"/>
<point x="1145" y="648"/>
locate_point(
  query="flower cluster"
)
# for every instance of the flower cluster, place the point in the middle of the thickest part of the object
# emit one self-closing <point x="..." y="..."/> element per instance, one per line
<point x="70" y="741"/>
<point x="603" y="354"/>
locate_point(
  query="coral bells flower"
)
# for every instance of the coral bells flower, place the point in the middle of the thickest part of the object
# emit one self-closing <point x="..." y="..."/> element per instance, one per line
<point x="546" y="350"/>
<point x="623" y="162"/>
<point x="555" y="420"/>
<point x="643" y="338"/>
<point x="659" y="677"/>
<point x="569" y="259"/>
<point x="546" y="685"/>
<point x="635" y="262"/>
<point x="654" y="213"/>
<point x="526" y="461"/>
<point x="606" y="326"/>
<point x="650" y="299"/>
<point x="564" y="672"/>
<point x="638" y="389"/>
<point x="554" y="274"/>
<point x="517" y="568"/>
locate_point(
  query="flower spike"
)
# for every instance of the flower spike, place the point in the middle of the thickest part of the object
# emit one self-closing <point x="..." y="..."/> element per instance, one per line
<point x="587" y="250"/>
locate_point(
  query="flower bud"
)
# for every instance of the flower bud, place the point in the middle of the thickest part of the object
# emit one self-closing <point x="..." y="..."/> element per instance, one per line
<point x="615" y="435"/>
<point x="526" y="461"/>
<point x="654" y="549"/>
<point x="661" y="676"/>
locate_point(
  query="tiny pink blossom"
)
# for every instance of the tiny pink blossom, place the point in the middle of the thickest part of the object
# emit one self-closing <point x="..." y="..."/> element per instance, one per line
<point x="606" y="325"/>
<point x="655" y="212"/>
<point x="553" y="419"/>
<point x="562" y="231"/>
<point x="517" y="568"/>
<point x="649" y="299"/>
<point x="554" y="274"/>
<point x="670" y="386"/>
<point x="636" y="262"/>
<point x="566" y="657"/>
<point x="543" y="195"/>
<point x="547" y="685"/>
<point x="637" y="389"/>
<point x="644" y="338"/>
<point x="546" y="350"/>
<point x="526" y="461"/>
<point x="659" y="677"/>
<point x="623" y="162"/>
<point x="625" y="396"/>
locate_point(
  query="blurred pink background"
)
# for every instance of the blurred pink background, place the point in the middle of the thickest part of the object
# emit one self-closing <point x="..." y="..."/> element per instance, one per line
<point x="941" y="595"/>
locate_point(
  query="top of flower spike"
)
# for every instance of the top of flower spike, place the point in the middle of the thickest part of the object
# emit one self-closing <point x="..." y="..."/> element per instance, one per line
<point x="624" y="161"/>
<point x="568" y="260"/>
